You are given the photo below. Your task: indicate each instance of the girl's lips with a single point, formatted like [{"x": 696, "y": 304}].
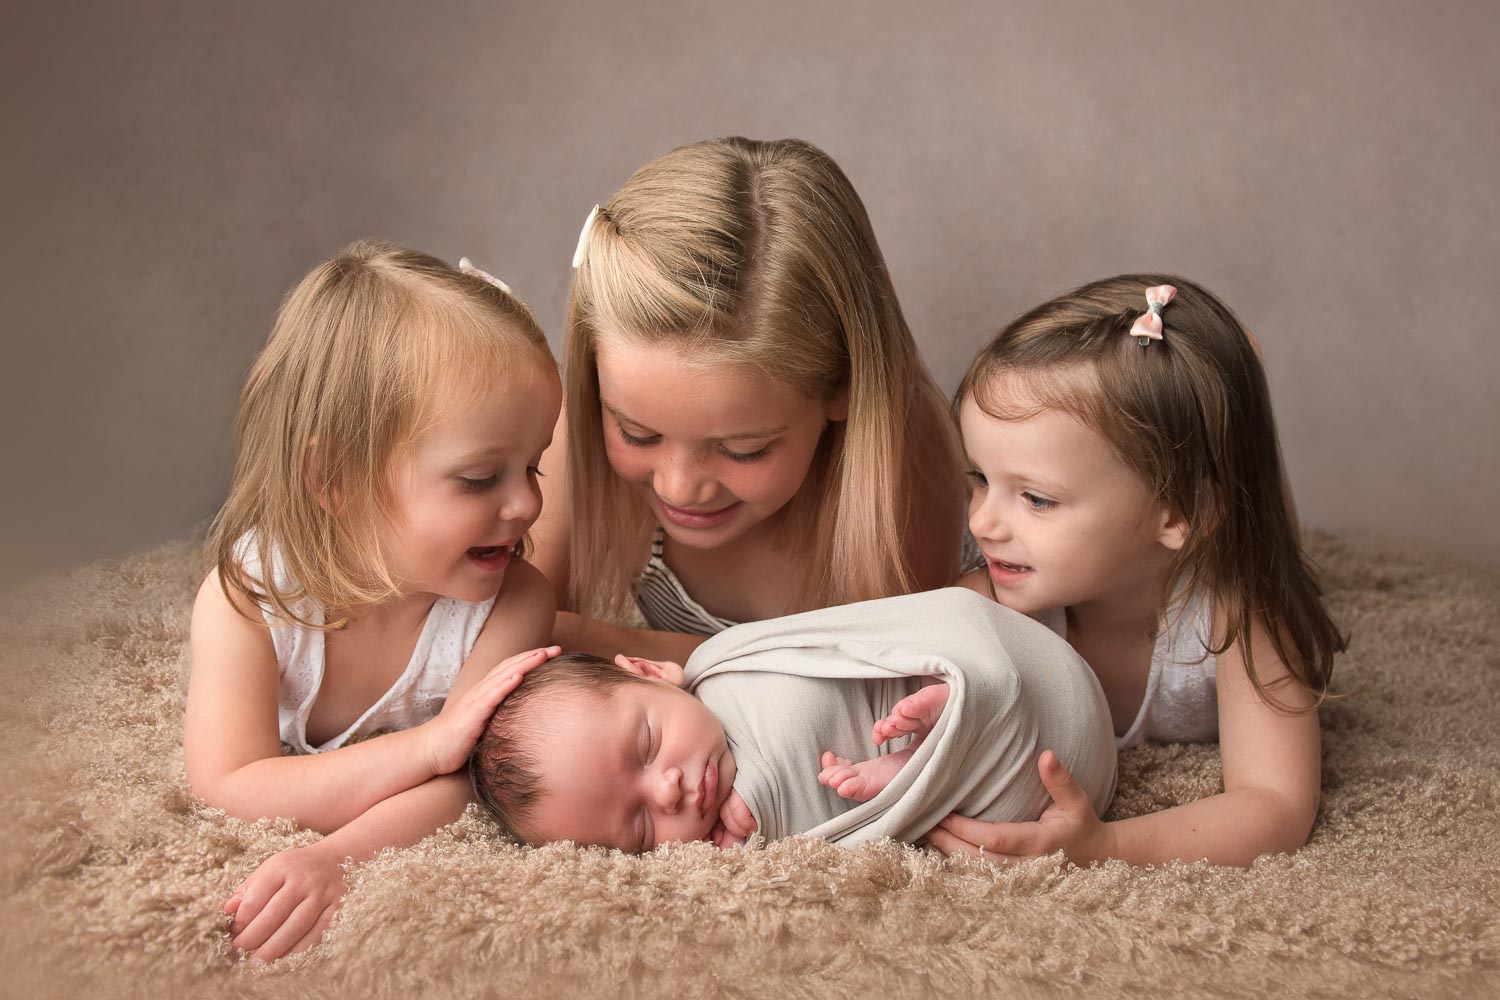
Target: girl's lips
[
  {"x": 493, "y": 558},
  {"x": 1005, "y": 573},
  {"x": 697, "y": 518}
]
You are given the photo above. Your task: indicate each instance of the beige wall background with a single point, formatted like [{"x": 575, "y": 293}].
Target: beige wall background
[{"x": 170, "y": 169}]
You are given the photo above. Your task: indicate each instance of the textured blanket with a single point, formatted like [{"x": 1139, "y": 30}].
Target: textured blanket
[
  {"x": 789, "y": 688},
  {"x": 112, "y": 875}
]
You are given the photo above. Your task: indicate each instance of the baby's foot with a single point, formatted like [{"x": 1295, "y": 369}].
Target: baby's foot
[
  {"x": 913, "y": 715},
  {"x": 862, "y": 781}
]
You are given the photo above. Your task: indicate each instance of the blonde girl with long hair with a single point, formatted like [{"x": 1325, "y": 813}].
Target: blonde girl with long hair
[
  {"x": 1128, "y": 485},
  {"x": 366, "y": 570},
  {"x": 750, "y": 430}
]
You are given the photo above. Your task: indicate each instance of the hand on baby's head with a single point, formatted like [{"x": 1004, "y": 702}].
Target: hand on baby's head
[{"x": 615, "y": 756}]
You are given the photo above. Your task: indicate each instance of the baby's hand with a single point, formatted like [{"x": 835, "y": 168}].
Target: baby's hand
[
  {"x": 452, "y": 733},
  {"x": 914, "y": 714},
  {"x": 735, "y": 824},
  {"x": 286, "y": 903}
]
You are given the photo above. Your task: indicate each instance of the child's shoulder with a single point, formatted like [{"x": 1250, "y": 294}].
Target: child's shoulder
[{"x": 526, "y": 595}]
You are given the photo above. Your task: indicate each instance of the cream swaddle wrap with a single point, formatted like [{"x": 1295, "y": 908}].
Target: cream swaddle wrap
[{"x": 788, "y": 688}]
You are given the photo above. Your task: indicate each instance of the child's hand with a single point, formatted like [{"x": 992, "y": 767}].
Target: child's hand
[
  {"x": 735, "y": 824},
  {"x": 286, "y": 903},
  {"x": 662, "y": 670},
  {"x": 914, "y": 714},
  {"x": 452, "y": 733},
  {"x": 1069, "y": 825}
]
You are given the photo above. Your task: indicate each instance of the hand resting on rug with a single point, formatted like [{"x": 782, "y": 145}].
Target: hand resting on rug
[{"x": 954, "y": 691}]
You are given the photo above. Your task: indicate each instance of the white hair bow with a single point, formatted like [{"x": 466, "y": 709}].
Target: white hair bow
[{"x": 467, "y": 267}]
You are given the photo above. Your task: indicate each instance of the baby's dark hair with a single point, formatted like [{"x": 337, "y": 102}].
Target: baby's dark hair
[{"x": 503, "y": 766}]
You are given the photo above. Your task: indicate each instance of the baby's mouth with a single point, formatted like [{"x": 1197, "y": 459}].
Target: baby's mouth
[
  {"x": 485, "y": 552},
  {"x": 1010, "y": 567}
]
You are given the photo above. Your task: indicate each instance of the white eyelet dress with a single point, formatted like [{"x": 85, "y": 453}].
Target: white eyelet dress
[{"x": 448, "y": 634}]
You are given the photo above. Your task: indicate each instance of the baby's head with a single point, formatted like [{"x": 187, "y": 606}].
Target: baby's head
[{"x": 588, "y": 752}]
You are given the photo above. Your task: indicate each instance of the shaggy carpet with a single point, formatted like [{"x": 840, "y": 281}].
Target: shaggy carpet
[{"x": 112, "y": 874}]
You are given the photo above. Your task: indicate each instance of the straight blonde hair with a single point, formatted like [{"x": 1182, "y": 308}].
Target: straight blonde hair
[
  {"x": 1191, "y": 416},
  {"x": 365, "y": 353},
  {"x": 759, "y": 256}
]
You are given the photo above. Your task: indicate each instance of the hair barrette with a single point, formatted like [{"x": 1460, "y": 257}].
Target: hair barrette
[
  {"x": 467, "y": 267},
  {"x": 583, "y": 237},
  {"x": 1147, "y": 326}
]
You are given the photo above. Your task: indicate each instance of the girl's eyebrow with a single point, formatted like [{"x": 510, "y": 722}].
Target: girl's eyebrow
[{"x": 760, "y": 432}]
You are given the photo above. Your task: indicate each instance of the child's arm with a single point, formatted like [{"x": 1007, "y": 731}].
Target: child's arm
[
  {"x": 287, "y": 902},
  {"x": 589, "y": 635},
  {"x": 1272, "y": 774},
  {"x": 231, "y": 737}
]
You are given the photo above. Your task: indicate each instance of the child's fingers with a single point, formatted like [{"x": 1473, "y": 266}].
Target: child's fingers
[
  {"x": 254, "y": 893},
  {"x": 265, "y": 923},
  {"x": 232, "y": 904},
  {"x": 291, "y": 930},
  {"x": 315, "y": 935},
  {"x": 1058, "y": 781}
]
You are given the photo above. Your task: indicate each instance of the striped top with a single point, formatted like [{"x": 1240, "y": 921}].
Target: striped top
[{"x": 664, "y": 601}]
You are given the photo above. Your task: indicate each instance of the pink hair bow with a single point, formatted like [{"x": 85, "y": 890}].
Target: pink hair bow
[{"x": 1147, "y": 326}]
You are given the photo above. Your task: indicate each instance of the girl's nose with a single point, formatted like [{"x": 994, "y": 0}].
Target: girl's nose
[
  {"x": 523, "y": 503},
  {"x": 985, "y": 521},
  {"x": 682, "y": 482}
]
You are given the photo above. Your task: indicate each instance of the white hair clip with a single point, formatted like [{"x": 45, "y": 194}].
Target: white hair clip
[
  {"x": 583, "y": 237},
  {"x": 467, "y": 267}
]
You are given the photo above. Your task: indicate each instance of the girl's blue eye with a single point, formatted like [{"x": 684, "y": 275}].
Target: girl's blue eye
[
  {"x": 978, "y": 478},
  {"x": 639, "y": 442},
  {"x": 478, "y": 485},
  {"x": 1037, "y": 502}
]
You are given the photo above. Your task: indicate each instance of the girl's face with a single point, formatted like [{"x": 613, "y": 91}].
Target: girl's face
[
  {"x": 714, "y": 452},
  {"x": 1061, "y": 520},
  {"x": 465, "y": 491}
]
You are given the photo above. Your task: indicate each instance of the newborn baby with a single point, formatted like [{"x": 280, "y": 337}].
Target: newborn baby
[{"x": 955, "y": 694}]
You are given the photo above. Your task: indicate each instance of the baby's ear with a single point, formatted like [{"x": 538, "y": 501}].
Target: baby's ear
[{"x": 661, "y": 670}]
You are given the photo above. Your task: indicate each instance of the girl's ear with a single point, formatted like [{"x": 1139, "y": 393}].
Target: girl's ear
[
  {"x": 838, "y": 406},
  {"x": 1172, "y": 531}
]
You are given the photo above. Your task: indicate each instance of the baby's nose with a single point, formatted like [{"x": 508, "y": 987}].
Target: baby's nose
[{"x": 669, "y": 792}]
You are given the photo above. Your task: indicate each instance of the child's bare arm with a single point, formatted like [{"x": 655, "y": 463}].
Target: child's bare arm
[
  {"x": 589, "y": 635},
  {"x": 287, "y": 902},
  {"x": 1270, "y": 798},
  {"x": 231, "y": 736}
]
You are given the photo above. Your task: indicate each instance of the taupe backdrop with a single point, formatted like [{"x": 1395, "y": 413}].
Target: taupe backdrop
[{"x": 172, "y": 168}]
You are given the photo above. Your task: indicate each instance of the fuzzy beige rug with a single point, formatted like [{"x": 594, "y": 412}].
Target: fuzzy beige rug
[{"x": 112, "y": 875}]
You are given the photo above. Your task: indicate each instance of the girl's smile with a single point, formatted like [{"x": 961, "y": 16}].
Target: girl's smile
[{"x": 716, "y": 452}]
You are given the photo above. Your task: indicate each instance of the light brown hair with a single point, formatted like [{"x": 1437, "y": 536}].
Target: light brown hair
[
  {"x": 760, "y": 256},
  {"x": 1191, "y": 415},
  {"x": 365, "y": 352},
  {"x": 505, "y": 773}
]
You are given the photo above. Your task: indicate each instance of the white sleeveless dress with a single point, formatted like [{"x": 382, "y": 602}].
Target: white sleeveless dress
[{"x": 447, "y": 636}]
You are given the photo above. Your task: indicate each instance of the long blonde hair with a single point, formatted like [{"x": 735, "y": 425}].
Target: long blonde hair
[
  {"x": 352, "y": 373},
  {"x": 759, "y": 256},
  {"x": 1191, "y": 416}
]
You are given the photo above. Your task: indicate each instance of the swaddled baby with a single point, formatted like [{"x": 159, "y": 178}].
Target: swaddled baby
[{"x": 955, "y": 695}]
